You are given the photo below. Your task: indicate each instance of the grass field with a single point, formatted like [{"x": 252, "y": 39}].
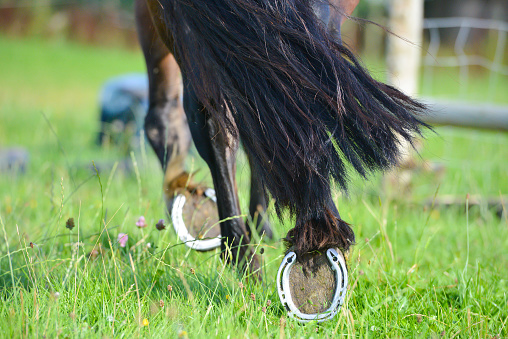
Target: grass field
[{"x": 416, "y": 271}]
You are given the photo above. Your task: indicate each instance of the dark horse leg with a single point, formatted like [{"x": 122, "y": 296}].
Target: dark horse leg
[
  {"x": 219, "y": 151},
  {"x": 324, "y": 228},
  {"x": 168, "y": 132},
  {"x": 165, "y": 123},
  {"x": 258, "y": 203}
]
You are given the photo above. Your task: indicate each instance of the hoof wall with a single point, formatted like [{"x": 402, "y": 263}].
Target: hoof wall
[
  {"x": 196, "y": 221},
  {"x": 314, "y": 287}
]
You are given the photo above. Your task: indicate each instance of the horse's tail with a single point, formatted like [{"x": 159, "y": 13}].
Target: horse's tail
[{"x": 301, "y": 103}]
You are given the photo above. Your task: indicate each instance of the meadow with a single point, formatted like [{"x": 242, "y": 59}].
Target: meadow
[{"x": 417, "y": 270}]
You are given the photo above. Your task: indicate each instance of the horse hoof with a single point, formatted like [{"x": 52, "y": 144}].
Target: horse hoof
[
  {"x": 196, "y": 221},
  {"x": 314, "y": 287}
]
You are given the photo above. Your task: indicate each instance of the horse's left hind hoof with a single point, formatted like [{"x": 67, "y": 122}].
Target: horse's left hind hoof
[
  {"x": 195, "y": 219},
  {"x": 313, "y": 287}
]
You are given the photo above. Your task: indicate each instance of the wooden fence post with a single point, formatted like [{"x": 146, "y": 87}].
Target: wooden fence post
[
  {"x": 403, "y": 62},
  {"x": 403, "y": 57}
]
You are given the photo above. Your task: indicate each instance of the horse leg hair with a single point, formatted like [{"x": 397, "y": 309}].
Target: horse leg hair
[{"x": 320, "y": 230}]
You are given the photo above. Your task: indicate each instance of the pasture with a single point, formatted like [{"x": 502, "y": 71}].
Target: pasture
[{"x": 417, "y": 270}]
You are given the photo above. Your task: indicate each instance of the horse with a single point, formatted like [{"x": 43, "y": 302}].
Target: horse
[{"x": 274, "y": 76}]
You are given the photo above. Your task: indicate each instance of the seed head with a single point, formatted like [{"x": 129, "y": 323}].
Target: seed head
[
  {"x": 240, "y": 285},
  {"x": 268, "y": 302},
  {"x": 253, "y": 296},
  {"x": 193, "y": 271},
  {"x": 263, "y": 309},
  {"x": 170, "y": 288},
  {"x": 160, "y": 225},
  {"x": 70, "y": 224},
  {"x": 161, "y": 303}
]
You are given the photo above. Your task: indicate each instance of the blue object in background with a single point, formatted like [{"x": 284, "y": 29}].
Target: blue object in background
[
  {"x": 14, "y": 159},
  {"x": 123, "y": 106}
]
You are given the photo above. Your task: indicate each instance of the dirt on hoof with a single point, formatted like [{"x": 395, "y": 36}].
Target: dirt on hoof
[
  {"x": 200, "y": 215},
  {"x": 312, "y": 283}
]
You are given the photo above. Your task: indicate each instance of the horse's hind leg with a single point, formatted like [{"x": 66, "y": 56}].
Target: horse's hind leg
[
  {"x": 258, "y": 204},
  {"x": 219, "y": 152},
  {"x": 312, "y": 279},
  {"x": 325, "y": 228},
  {"x": 165, "y": 123},
  {"x": 169, "y": 135}
]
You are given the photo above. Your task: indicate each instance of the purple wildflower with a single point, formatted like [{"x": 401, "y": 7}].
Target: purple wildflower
[
  {"x": 141, "y": 223},
  {"x": 122, "y": 239}
]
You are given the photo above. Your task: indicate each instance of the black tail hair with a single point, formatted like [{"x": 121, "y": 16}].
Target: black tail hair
[{"x": 301, "y": 102}]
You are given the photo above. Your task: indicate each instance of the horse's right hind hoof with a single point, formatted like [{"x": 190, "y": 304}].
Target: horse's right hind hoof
[
  {"x": 196, "y": 220},
  {"x": 314, "y": 287}
]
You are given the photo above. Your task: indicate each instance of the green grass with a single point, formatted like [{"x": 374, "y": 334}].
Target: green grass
[{"x": 416, "y": 271}]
